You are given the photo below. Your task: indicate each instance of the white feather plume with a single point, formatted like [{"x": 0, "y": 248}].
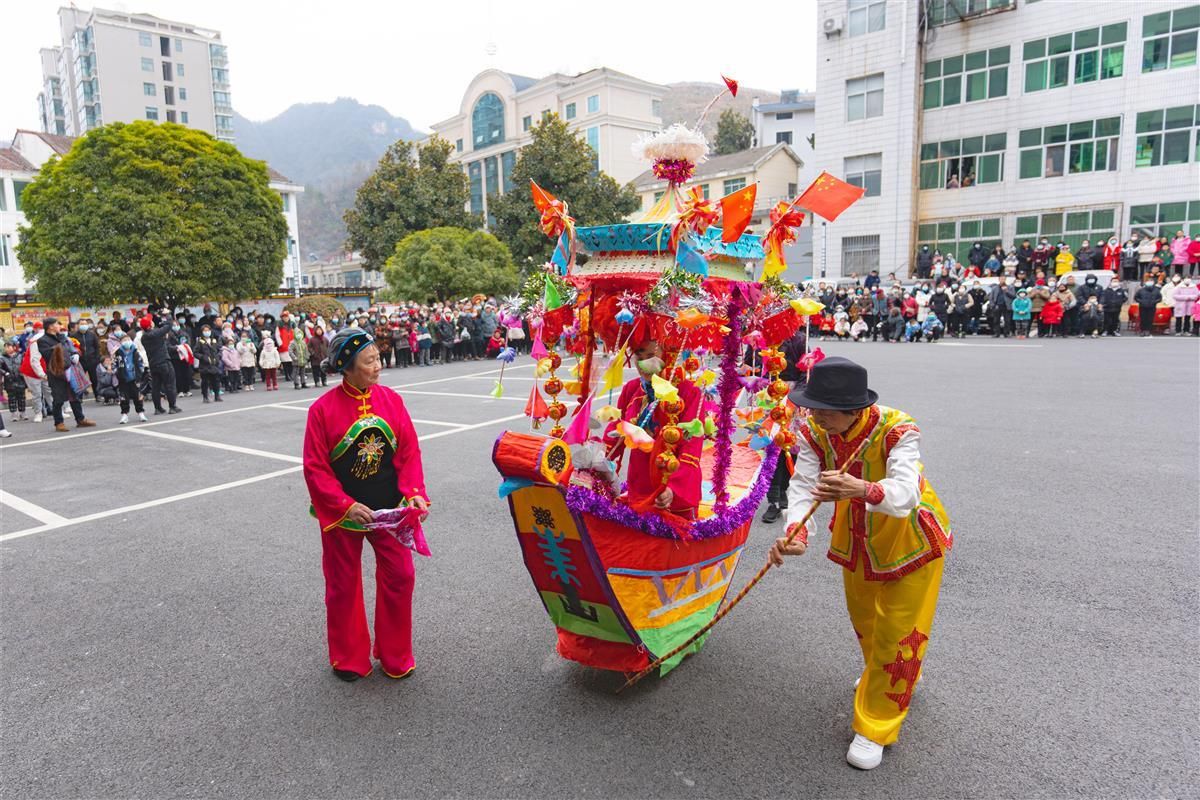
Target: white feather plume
[{"x": 678, "y": 142}]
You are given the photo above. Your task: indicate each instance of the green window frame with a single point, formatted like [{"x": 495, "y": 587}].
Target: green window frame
[
  {"x": 1057, "y": 150},
  {"x": 1169, "y": 39},
  {"x": 1163, "y": 219},
  {"x": 1167, "y": 136},
  {"x": 969, "y": 78},
  {"x": 972, "y": 161},
  {"x": 947, "y": 12},
  {"x": 1083, "y": 56},
  {"x": 733, "y": 185}
]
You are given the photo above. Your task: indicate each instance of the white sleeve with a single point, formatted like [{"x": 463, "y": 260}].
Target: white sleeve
[
  {"x": 901, "y": 487},
  {"x": 804, "y": 479}
]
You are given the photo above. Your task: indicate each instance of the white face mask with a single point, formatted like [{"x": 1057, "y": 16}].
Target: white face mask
[
  {"x": 1149, "y": 283},
  {"x": 650, "y": 366}
]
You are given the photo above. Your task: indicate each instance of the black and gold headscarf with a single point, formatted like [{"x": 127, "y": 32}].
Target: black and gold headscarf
[{"x": 345, "y": 345}]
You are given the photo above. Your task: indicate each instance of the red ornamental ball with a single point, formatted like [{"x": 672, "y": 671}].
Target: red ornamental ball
[
  {"x": 778, "y": 390},
  {"x": 666, "y": 462},
  {"x": 779, "y": 413},
  {"x": 557, "y": 431},
  {"x": 556, "y": 411},
  {"x": 553, "y": 386},
  {"x": 672, "y": 408},
  {"x": 785, "y": 438},
  {"x": 555, "y": 360},
  {"x": 691, "y": 364}
]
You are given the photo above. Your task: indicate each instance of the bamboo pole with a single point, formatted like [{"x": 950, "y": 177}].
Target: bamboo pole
[{"x": 746, "y": 589}]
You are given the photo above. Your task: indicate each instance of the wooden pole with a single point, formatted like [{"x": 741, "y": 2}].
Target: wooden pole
[{"x": 746, "y": 589}]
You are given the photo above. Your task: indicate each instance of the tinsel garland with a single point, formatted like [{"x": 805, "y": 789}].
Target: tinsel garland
[
  {"x": 728, "y": 390},
  {"x": 587, "y": 501},
  {"x": 677, "y": 171}
]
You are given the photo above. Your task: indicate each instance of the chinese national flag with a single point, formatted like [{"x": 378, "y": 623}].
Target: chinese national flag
[
  {"x": 736, "y": 210},
  {"x": 829, "y": 196}
]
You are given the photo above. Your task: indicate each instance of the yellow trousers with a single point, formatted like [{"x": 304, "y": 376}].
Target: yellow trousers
[{"x": 893, "y": 621}]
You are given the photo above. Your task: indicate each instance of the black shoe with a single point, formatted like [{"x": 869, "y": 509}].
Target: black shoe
[
  {"x": 217, "y": 399},
  {"x": 206, "y": 400},
  {"x": 349, "y": 676},
  {"x": 175, "y": 410},
  {"x": 771, "y": 514},
  {"x": 158, "y": 411}
]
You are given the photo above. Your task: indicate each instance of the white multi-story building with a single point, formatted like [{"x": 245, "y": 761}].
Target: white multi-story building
[
  {"x": 30, "y": 149},
  {"x": 607, "y": 108},
  {"x": 1003, "y": 120},
  {"x": 113, "y": 66},
  {"x": 792, "y": 121}
]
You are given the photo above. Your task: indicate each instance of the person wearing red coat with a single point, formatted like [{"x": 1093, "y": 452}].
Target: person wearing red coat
[
  {"x": 1112, "y": 255},
  {"x": 360, "y": 456},
  {"x": 1052, "y": 315}
]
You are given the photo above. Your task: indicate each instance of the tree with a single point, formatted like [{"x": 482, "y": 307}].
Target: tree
[
  {"x": 443, "y": 263},
  {"x": 564, "y": 165},
  {"x": 320, "y": 304},
  {"x": 734, "y": 132},
  {"x": 412, "y": 189},
  {"x": 143, "y": 212}
]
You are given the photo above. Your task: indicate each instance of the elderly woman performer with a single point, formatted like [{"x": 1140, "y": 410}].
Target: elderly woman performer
[{"x": 361, "y": 455}]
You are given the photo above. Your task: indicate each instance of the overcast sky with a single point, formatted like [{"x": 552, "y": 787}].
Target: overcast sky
[{"x": 415, "y": 58}]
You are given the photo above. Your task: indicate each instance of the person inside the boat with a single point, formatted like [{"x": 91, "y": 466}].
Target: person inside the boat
[
  {"x": 889, "y": 533},
  {"x": 677, "y": 492}
]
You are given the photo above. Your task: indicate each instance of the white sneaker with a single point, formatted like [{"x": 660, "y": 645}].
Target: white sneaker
[
  {"x": 4, "y": 434},
  {"x": 124, "y": 419},
  {"x": 864, "y": 753},
  {"x": 142, "y": 416},
  {"x": 37, "y": 417}
]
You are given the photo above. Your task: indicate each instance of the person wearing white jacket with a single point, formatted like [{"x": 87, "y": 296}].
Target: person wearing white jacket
[
  {"x": 248, "y": 359},
  {"x": 268, "y": 359}
]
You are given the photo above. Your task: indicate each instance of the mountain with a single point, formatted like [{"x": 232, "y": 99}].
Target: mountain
[
  {"x": 330, "y": 148},
  {"x": 684, "y": 102}
]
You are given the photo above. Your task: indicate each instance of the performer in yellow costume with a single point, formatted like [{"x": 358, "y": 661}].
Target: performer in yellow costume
[{"x": 889, "y": 532}]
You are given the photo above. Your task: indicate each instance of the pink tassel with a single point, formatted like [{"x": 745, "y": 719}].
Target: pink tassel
[
  {"x": 578, "y": 432},
  {"x": 538, "y": 351}
]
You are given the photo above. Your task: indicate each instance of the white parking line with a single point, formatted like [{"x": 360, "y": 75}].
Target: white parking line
[
  {"x": 476, "y": 396},
  {"x": 43, "y": 515},
  {"x": 63, "y": 522},
  {"x": 233, "y": 448}
]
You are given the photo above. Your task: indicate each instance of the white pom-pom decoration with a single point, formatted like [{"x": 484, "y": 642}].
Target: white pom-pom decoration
[{"x": 678, "y": 142}]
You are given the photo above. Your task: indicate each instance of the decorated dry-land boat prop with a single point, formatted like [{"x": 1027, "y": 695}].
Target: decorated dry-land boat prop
[{"x": 626, "y": 582}]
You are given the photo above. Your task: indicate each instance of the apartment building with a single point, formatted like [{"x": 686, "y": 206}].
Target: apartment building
[
  {"x": 112, "y": 66},
  {"x": 792, "y": 121},
  {"x": 609, "y": 109},
  {"x": 1001, "y": 120}
]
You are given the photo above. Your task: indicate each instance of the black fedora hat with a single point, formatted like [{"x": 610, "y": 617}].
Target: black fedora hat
[{"x": 835, "y": 383}]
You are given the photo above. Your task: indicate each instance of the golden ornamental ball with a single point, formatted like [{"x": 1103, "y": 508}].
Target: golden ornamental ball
[
  {"x": 785, "y": 439},
  {"x": 779, "y": 413},
  {"x": 778, "y": 390},
  {"x": 671, "y": 434},
  {"x": 556, "y": 411},
  {"x": 557, "y": 431},
  {"x": 555, "y": 360},
  {"x": 672, "y": 408},
  {"x": 666, "y": 462},
  {"x": 553, "y": 386}
]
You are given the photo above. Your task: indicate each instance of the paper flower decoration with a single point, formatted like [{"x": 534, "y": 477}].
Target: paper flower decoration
[
  {"x": 507, "y": 355},
  {"x": 807, "y": 307},
  {"x": 635, "y": 438},
  {"x": 664, "y": 390},
  {"x": 691, "y": 318},
  {"x": 607, "y": 413},
  {"x": 811, "y": 359}
]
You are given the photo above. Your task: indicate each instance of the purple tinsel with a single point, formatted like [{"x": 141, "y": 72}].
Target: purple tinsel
[
  {"x": 728, "y": 387},
  {"x": 674, "y": 170},
  {"x": 586, "y": 501}
]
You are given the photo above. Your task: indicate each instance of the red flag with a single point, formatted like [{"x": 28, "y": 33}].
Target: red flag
[
  {"x": 731, "y": 84},
  {"x": 736, "y": 210},
  {"x": 541, "y": 198},
  {"x": 829, "y": 196},
  {"x": 536, "y": 408}
]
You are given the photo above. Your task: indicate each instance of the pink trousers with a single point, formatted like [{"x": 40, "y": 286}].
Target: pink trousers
[{"x": 346, "y": 617}]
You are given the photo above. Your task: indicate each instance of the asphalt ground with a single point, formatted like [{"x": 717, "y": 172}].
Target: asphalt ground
[{"x": 162, "y": 623}]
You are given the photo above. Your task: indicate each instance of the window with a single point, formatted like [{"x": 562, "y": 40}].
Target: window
[
  {"x": 144, "y": 39},
  {"x": 526, "y": 123},
  {"x": 182, "y": 94},
  {"x": 704, "y": 190},
  {"x": 147, "y": 65},
  {"x": 593, "y": 103},
  {"x": 1169, "y": 39},
  {"x": 224, "y": 122},
  {"x": 1071, "y": 227},
  {"x": 1088, "y": 146},
  {"x": 864, "y": 97},
  {"x": 183, "y": 117},
  {"x": 867, "y": 16},
  {"x": 491, "y": 173},
  {"x": 5, "y": 260},
  {"x": 179, "y": 70},
  {"x": 475, "y": 178},
  {"x": 658, "y": 196},
  {"x": 149, "y": 90},
  {"x": 962, "y": 163},
  {"x": 1168, "y": 137},
  {"x": 783, "y": 136},
  {"x": 1163, "y": 219},
  {"x": 860, "y": 254},
  {"x": 733, "y": 185},
  {"x": 151, "y": 112},
  {"x": 508, "y": 162},
  {"x": 487, "y": 121},
  {"x": 19, "y": 188},
  {"x": 784, "y": 115},
  {"x": 287, "y": 201},
  {"x": 791, "y": 190},
  {"x": 220, "y": 78},
  {"x": 169, "y": 95},
  {"x": 1089, "y": 55},
  {"x": 179, "y": 45},
  {"x": 865, "y": 171},
  {"x": 956, "y": 237},
  {"x": 164, "y": 46},
  {"x": 593, "y": 140},
  {"x": 656, "y": 108},
  {"x": 3, "y": 199},
  {"x": 166, "y": 66},
  {"x": 570, "y": 111},
  {"x": 171, "y": 115},
  {"x": 458, "y": 147},
  {"x": 944, "y": 12},
  {"x": 221, "y": 99},
  {"x": 975, "y": 76}
]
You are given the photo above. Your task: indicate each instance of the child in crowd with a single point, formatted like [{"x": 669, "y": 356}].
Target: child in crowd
[
  {"x": 232, "y": 363},
  {"x": 859, "y": 330},
  {"x": 932, "y": 327},
  {"x": 402, "y": 341},
  {"x": 841, "y": 323},
  {"x": 129, "y": 366},
  {"x": 14, "y": 381},
  {"x": 247, "y": 360},
  {"x": 1052, "y": 316},
  {"x": 318, "y": 348},
  {"x": 1022, "y": 312},
  {"x": 106, "y": 381},
  {"x": 495, "y": 343},
  {"x": 268, "y": 359},
  {"x": 912, "y": 330},
  {"x": 1091, "y": 318},
  {"x": 424, "y": 343},
  {"x": 298, "y": 350}
]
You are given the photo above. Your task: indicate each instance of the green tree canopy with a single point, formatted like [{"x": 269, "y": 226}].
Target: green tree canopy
[
  {"x": 564, "y": 165},
  {"x": 734, "y": 132},
  {"x": 413, "y": 188},
  {"x": 443, "y": 263},
  {"x": 320, "y": 304},
  {"x": 157, "y": 213}
]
